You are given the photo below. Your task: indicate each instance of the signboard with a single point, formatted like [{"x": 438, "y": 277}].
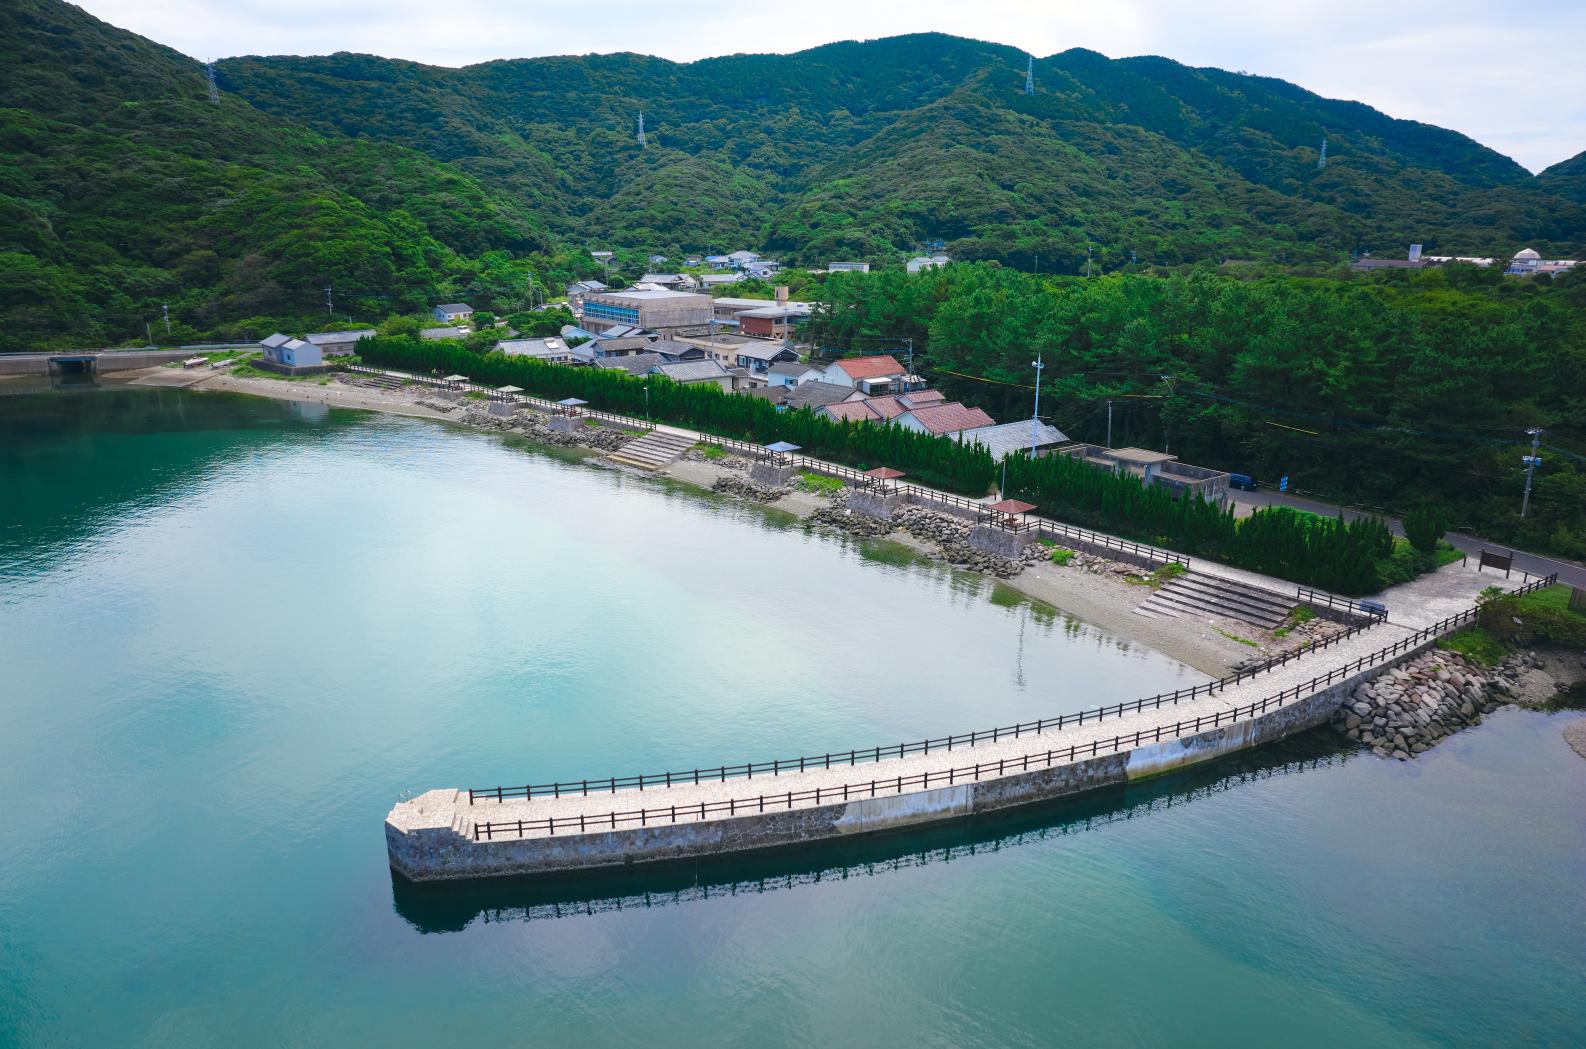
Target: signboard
[
  {"x": 1283, "y": 483},
  {"x": 1490, "y": 559}
]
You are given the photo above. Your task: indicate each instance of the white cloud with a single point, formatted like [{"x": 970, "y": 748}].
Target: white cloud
[{"x": 1510, "y": 77}]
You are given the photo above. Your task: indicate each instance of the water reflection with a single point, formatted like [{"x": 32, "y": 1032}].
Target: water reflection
[{"x": 453, "y": 906}]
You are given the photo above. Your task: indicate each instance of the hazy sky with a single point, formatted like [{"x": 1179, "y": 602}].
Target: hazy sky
[{"x": 1512, "y": 76}]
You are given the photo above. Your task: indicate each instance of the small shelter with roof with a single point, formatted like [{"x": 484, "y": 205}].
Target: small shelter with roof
[
  {"x": 1002, "y": 529},
  {"x": 880, "y": 496},
  {"x": 569, "y": 411},
  {"x": 504, "y": 400},
  {"x": 778, "y": 468}
]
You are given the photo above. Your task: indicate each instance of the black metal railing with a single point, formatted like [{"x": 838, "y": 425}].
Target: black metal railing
[
  {"x": 876, "y": 753},
  {"x": 787, "y": 800}
]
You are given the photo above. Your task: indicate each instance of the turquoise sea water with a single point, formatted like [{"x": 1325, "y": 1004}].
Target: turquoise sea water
[{"x": 233, "y": 631}]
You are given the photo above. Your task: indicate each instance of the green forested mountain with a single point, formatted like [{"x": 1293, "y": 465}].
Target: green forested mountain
[
  {"x": 124, "y": 188},
  {"x": 867, "y": 149}
]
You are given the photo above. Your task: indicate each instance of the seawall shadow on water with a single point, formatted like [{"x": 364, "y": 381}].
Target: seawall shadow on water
[{"x": 439, "y": 907}]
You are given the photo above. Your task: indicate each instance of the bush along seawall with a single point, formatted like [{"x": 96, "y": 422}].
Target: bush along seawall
[{"x": 1347, "y": 557}]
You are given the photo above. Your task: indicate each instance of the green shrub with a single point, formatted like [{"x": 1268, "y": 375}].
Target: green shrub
[
  {"x": 1475, "y": 644},
  {"x": 1423, "y": 527},
  {"x": 1061, "y": 556},
  {"x": 820, "y": 484}
]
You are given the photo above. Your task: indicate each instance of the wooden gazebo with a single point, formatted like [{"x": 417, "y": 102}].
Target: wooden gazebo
[
  {"x": 508, "y": 393},
  {"x": 1005, "y": 513},
  {"x": 570, "y": 406},
  {"x": 883, "y": 479}
]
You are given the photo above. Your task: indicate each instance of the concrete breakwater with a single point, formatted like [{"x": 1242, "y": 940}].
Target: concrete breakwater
[{"x": 448, "y": 834}]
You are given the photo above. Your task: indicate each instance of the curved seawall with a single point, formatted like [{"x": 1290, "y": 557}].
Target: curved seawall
[{"x": 447, "y": 834}]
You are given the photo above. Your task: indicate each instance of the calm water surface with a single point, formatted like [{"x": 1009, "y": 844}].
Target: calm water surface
[{"x": 233, "y": 631}]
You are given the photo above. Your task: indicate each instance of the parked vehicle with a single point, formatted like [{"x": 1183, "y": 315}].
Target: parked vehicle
[{"x": 1242, "y": 481}]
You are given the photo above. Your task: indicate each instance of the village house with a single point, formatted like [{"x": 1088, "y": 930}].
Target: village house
[
  {"x": 670, "y": 281},
  {"x": 848, "y": 267},
  {"x": 635, "y": 364},
  {"x": 690, "y": 373},
  {"x": 290, "y": 356},
  {"x": 339, "y": 343},
  {"x": 449, "y": 332},
  {"x": 792, "y": 373},
  {"x": 925, "y": 262},
  {"x": 943, "y": 418},
  {"x": 871, "y": 375},
  {"x": 758, "y": 355},
  {"x": 453, "y": 313},
  {"x": 550, "y": 350},
  {"x": 1009, "y": 438}
]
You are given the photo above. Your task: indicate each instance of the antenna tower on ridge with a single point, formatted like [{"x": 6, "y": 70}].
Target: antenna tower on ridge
[
  {"x": 642, "y": 143},
  {"x": 214, "y": 89},
  {"x": 1029, "y": 76},
  {"x": 1321, "y": 158}
]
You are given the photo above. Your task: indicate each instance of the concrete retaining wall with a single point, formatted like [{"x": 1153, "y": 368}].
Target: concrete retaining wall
[
  {"x": 105, "y": 361},
  {"x": 440, "y": 853}
]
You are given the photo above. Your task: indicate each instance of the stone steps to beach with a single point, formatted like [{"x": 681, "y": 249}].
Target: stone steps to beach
[
  {"x": 376, "y": 382},
  {"x": 654, "y": 451},
  {"x": 1195, "y": 593}
]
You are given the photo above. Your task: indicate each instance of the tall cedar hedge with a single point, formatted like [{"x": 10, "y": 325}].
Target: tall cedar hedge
[{"x": 1316, "y": 551}]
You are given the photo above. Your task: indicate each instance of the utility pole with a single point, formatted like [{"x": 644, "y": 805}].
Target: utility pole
[
  {"x": 1531, "y": 463},
  {"x": 1109, "y": 423},
  {"x": 1168, "y": 379},
  {"x": 909, "y": 342},
  {"x": 166, "y": 310},
  {"x": 1087, "y": 260},
  {"x": 329, "y": 307},
  {"x": 1035, "y": 416}
]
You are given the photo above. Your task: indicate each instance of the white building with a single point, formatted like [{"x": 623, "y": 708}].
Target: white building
[
  {"x": 926, "y": 262},
  {"x": 848, "y": 267},
  {"x": 1529, "y": 263},
  {"x": 453, "y": 313}
]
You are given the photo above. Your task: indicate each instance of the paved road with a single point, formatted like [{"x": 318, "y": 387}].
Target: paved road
[{"x": 1568, "y": 571}]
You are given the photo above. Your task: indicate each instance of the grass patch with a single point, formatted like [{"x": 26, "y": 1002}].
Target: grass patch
[
  {"x": 1297, "y": 615},
  {"x": 476, "y": 395},
  {"x": 591, "y": 422},
  {"x": 1241, "y": 640},
  {"x": 711, "y": 451},
  {"x": 1061, "y": 555},
  {"x": 1475, "y": 644},
  {"x": 820, "y": 484}
]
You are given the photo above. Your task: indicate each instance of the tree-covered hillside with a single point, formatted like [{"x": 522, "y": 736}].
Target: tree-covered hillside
[
  {"x": 870, "y": 148},
  {"x": 124, "y": 188},
  {"x": 1390, "y": 390}
]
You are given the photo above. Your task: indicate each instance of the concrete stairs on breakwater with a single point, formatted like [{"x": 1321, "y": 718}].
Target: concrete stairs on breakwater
[
  {"x": 654, "y": 451},
  {"x": 1195, "y": 593}
]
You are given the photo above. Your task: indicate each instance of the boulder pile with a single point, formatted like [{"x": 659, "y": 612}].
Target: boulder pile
[
  {"x": 742, "y": 486},
  {"x": 1405, "y": 711},
  {"x": 725, "y": 462},
  {"x": 844, "y": 520},
  {"x": 535, "y": 426}
]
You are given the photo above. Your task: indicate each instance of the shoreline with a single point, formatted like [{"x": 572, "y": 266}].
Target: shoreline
[{"x": 1103, "y": 602}]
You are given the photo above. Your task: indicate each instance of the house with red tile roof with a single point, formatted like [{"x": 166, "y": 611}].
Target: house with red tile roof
[
  {"x": 881, "y": 374},
  {"x": 946, "y": 417}
]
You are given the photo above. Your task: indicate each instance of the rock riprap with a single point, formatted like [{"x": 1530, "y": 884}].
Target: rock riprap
[
  {"x": 1405, "y": 711},
  {"x": 747, "y": 489}
]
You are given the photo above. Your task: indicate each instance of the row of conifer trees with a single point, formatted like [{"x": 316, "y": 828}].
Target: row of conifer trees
[{"x": 1324, "y": 552}]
